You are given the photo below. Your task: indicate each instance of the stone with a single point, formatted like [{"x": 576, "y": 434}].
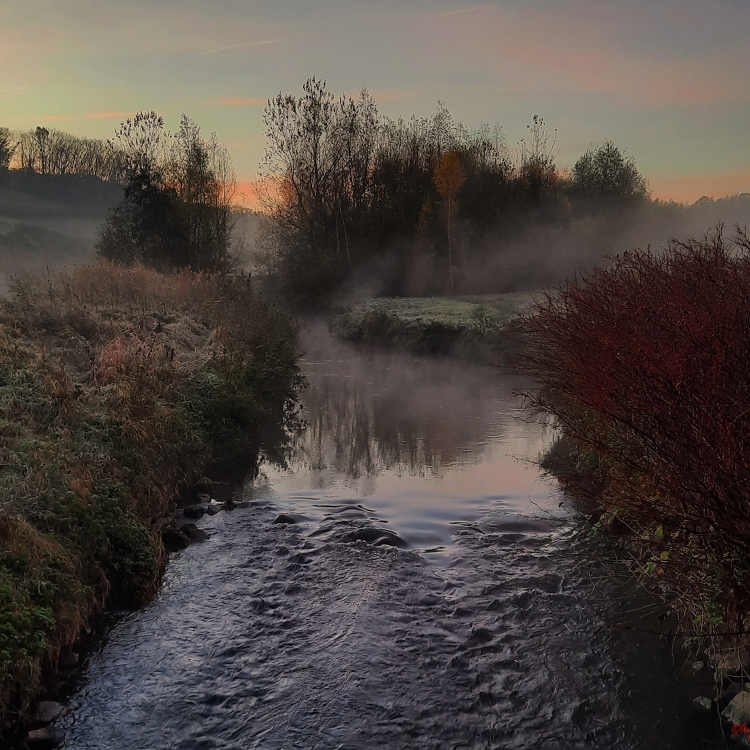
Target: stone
[
  {"x": 212, "y": 509},
  {"x": 738, "y": 710},
  {"x": 174, "y": 540},
  {"x": 193, "y": 533},
  {"x": 703, "y": 704},
  {"x": 46, "y": 712},
  {"x": 193, "y": 511},
  {"x": 285, "y": 518},
  {"x": 47, "y": 737}
]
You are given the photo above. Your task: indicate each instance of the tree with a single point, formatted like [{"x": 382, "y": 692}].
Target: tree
[
  {"x": 317, "y": 172},
  {"x": 536, "y": 160},
  {"x": 7, "y": 147},
  {"x": 605, "y": 172},
  {"x": 177, "y": 208},
  {"x": 449, "y": 177}
]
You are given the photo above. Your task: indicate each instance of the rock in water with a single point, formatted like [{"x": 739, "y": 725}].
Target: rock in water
[
  {"x": 174, "y": 540},
  {"x": 192, "y": 532},
  {"x": 47, "y": 737},
  {"x": 46, "y": 712}
]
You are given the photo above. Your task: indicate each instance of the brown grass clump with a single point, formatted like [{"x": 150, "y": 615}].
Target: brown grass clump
[
  {"x": 646, "y": 367},
  {"x": 117, "y": 386}
]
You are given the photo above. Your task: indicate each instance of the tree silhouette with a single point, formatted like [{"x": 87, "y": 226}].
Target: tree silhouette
[{"x": 605, "y": 172}]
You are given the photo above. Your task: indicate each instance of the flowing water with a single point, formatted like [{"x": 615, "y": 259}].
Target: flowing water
[{"x": 425, "y": 590}]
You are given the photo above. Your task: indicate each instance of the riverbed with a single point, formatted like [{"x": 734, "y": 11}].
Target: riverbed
[{"x": 408, "y": 579}]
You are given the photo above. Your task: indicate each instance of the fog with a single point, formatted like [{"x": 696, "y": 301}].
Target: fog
[
  {"x": 46, "y": 225},
  {"x": 543, "y": 254}
]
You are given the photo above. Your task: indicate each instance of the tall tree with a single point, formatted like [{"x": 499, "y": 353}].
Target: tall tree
[
  {"x": 449, "y": 177},
  {"x": 7, "y": 147}
]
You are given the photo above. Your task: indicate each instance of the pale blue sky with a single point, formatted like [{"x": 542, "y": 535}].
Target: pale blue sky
[{"x": 667, "y": 81}]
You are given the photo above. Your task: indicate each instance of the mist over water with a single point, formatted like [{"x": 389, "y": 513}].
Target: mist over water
[{"x": 424, "y": 590}]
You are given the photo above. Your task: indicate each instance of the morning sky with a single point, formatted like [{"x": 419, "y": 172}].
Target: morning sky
[{"x": 666, "y": 81}]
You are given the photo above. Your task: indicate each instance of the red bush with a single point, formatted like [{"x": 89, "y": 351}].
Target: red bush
[{"x": 647, "y": 365}]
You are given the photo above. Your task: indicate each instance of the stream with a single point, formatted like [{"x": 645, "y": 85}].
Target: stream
[{"x": 407, "y": 580}]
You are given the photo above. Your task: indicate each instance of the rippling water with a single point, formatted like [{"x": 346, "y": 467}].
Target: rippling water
[{"x": 426, "y": 592}]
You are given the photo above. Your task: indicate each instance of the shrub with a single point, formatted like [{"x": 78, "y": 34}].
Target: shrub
[{"x": 645, "y": 365}]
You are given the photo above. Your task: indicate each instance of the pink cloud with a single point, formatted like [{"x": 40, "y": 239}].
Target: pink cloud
[{"x": 562, "y": 50}]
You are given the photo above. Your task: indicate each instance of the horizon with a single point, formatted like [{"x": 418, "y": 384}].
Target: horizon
[{"x": 665, "y": 84}]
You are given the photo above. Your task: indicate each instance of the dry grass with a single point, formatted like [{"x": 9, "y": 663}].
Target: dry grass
[{"x": 117, "y": 386}]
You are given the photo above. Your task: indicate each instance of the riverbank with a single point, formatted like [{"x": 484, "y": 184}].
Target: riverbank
[
  {"x": 644, "y": 366},
  {"x": 117, "y": 388},
  {"x": 479, "y": 327}
]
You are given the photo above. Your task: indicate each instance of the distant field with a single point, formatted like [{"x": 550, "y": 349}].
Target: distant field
[{"x": 477, "y": 326}]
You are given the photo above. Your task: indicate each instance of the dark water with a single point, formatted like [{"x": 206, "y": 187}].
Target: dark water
[{"x": 433, "y": 593}]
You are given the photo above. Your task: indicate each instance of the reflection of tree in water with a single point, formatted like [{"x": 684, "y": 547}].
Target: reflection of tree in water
[{"x": 416, "y": 423}]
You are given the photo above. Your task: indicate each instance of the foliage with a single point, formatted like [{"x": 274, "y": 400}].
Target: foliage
[
  {"x": 177, "y": 209},
  {"x": 605, "y": 172},
  {"x": 117, "y": 387},
  {"x": 54, "y": 152},
  {"x": 645, "y": 367},
  {"x": 346, "y": 191}
]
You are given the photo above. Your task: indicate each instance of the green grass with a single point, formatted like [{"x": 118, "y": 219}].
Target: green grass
[{"x": 479, "y": 327}]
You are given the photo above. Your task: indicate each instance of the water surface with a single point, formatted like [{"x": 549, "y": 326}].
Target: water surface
[{"x": 430, "y": 590}]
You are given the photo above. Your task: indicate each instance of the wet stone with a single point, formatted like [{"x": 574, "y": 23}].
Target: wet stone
[
  {"x": 174, "y": 540},
  {"x": 738, "y": 710},
  {"x": 703, "y": 704},
  {"x": 193, "y": 533},
  {"x": 193, "y": 511},
  {"x": 285, "y": 518},
  {"x": 46, "y": 712},
  {"x": 42, "y": 739}
]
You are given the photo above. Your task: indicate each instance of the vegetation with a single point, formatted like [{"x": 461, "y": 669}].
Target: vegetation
[
  {"x": 479, "y": 327},
  {"x": 349, "y": 193},
  {"x": 645, "y": 367},
  {"x": 177, "y": 209},
  {"x": 54, "y": 152},
  {"x": 117, "y": 386}
]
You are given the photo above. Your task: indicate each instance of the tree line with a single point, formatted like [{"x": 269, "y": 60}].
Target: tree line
[
  {"x": 344, "y": 191},
  {"x": 345, "y": 188},
  {"x": 54, "y": 152}
]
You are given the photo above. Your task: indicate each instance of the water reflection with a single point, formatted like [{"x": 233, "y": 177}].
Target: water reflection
[
  {"x": 322, "y": 630},
  {"x": 427, "y": 443}
]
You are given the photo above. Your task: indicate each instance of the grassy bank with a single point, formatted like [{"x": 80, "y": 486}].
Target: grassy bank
[
  {"x": 117, "y": 387},
  {"x": 479, "y": 326},
  {"x": 645, "y": 366}
]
